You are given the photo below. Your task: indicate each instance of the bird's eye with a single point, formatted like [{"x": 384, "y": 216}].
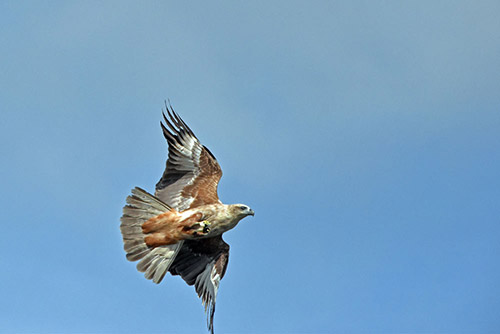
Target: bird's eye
[{"x": 243, "y": 208}]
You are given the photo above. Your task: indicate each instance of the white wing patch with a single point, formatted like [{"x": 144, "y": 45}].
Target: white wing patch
[{"x": 215, "y": 279}]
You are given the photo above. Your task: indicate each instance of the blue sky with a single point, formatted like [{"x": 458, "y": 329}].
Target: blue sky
[{"x": 365, "y": 135}]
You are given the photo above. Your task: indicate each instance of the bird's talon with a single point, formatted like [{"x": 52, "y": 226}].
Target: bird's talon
[{"x": 206, "y": 226}]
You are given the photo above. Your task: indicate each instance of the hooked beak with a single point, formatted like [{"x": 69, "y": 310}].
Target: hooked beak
[{"x": 252, "y": 213}]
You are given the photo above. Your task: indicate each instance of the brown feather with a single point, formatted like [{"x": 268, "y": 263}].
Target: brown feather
[
  {"x": 169, "y": 228},
  {"x": 204, "y": 187}
]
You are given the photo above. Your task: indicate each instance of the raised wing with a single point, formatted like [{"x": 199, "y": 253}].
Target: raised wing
[
  {"x": 203, "y": 263},
  {"x": 192, "y": 172}
]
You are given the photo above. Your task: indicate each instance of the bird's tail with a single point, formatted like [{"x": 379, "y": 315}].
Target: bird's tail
[{"x": 154, "y": 261}]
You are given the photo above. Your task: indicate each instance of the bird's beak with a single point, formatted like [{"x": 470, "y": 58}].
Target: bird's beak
[{"x": 252, "y": 213}]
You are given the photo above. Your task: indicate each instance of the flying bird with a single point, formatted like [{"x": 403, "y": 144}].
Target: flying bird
[{"x": 179, "y": 229}]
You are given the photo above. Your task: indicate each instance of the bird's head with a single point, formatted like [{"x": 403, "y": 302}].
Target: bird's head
[{"x": 241, "y": 210}]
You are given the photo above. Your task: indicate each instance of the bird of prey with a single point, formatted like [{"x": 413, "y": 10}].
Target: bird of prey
[{"x": 180, "y": 228}]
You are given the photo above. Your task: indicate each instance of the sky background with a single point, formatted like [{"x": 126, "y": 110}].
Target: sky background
[{"x": 364, "y": 134}]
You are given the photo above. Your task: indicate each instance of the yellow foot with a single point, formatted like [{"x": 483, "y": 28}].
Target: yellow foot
[
  {"x": 206, "y": 226},
  {"x": 198, "y": 229}
]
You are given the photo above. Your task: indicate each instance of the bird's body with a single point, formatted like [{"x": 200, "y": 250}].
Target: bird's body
[
  {"x": 205, "y": 221},
  {"x": 179, "y": 230}
]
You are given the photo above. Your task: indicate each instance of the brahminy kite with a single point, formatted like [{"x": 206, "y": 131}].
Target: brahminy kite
[{"x": 180, "y": 228}]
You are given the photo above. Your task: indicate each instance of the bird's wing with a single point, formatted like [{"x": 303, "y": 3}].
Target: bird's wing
[
  {"x": 203, "y": 263},
  {"x": 192, "y": 173}
]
